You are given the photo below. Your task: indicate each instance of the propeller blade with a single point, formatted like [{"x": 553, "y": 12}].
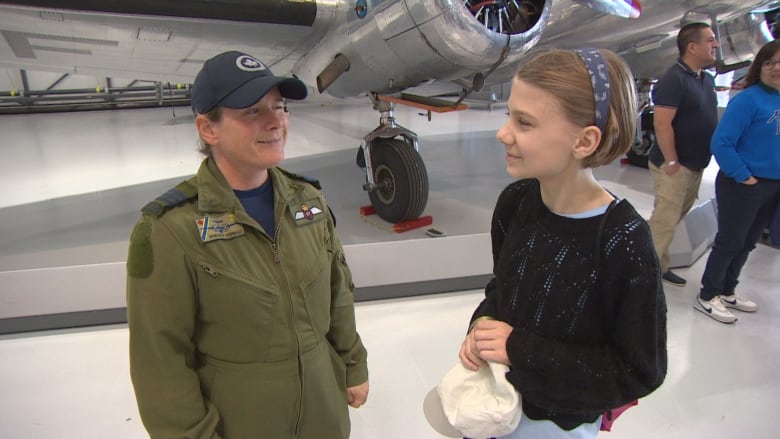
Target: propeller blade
[{"x": 621, "y": 8}]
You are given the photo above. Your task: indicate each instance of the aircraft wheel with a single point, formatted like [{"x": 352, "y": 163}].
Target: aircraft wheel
[
  {"x": 637, "y": 155},
  {"x": 401, "y": 180}
]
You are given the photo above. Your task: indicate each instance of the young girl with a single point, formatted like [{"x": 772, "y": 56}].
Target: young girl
[{"x": 575, "y": 308}]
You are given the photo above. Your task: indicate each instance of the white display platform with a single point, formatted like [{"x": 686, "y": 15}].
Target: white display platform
[
  {"x": 694, "y": 235},
  {"x": 64, "y": 265},
  {"x": 76, "y": 194}
]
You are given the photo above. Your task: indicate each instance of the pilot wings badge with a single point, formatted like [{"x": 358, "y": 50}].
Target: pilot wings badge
[{"x": 307, "y": 212}]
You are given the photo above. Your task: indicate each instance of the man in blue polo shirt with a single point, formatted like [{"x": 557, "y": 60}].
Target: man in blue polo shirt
[{"x": 686, "y": 114}]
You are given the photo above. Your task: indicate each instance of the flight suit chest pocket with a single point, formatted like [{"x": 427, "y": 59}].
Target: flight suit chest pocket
[
  {"x": 231, "y": 301},
  {"x": 316, "y": 291}
]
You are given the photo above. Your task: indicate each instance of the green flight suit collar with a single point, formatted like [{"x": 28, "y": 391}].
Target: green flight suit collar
[
  {"x": 216, "y": 195},
  {"x": 214, "y": 192}
]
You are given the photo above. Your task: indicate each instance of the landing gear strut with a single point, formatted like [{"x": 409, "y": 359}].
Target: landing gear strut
[
  {"x": 645, "y": 139},
  {"x": 396, "y": 179}
]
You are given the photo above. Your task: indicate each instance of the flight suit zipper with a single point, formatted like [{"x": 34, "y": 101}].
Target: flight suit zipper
[{"x": 291, "y": 311}]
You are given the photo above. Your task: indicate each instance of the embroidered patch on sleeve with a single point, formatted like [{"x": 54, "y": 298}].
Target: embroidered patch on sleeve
[
  {"x": 306, "y": 212},
  {"x": 211, "y": 227},
  {"x": 140, "y": 257}
]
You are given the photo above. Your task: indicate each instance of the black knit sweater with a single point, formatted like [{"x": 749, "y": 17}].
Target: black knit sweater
[{"x": 585, "y": 338}]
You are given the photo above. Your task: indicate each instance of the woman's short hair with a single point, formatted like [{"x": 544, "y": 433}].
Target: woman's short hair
[
  {"x": 564, "y": 74},
  {"x": 215, "y": 115}
]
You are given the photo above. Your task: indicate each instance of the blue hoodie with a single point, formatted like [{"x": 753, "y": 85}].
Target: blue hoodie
[{"x": 747, "y": 140}]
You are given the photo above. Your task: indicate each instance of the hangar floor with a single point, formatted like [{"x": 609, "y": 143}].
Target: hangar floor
[{"x": 73, "y": 383}]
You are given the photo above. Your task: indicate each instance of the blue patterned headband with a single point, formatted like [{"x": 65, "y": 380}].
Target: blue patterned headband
[{"x": 599, "y": 79}]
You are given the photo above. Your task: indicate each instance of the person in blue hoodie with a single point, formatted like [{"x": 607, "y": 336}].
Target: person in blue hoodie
[{"x": 746, "y": 145}]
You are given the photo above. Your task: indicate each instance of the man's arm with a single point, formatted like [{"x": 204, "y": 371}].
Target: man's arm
[{"x": 664, "y": 133}]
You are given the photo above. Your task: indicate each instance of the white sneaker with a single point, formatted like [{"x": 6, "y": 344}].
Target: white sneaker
[
  {"x": 715, "y": 308},
  {"x": 739, "y": 303}
]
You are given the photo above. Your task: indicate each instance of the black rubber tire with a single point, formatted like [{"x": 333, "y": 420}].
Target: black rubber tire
[
  {"x": 401, "y": 180},
  {"x": 637, "y": 155},
  {"x": 636, "y": 159}
]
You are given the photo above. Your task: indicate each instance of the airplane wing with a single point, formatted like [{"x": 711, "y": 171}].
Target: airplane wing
[
  {"x": 349, "y": 48},
  {"x": 343, "y": 47},
  {"x": 160, "y": 41},
  {"x": 386, "y": 45}
]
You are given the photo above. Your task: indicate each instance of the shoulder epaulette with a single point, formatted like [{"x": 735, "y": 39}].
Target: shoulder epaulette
[
  {"x": 179, "y": 194},
  {"x": 312, "y": 181}
]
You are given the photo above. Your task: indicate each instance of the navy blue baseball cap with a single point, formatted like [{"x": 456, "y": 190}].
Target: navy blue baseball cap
[{"x": 237, "y": 80}]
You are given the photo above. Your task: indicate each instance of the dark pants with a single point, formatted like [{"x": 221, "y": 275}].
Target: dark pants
[
  {"x": 774, "y": 227},
  {"x": 743, "y": 214}
]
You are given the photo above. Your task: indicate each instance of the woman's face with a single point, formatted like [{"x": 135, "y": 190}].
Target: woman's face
[
  {"x": 252, "y": 139},
  {"x": 770, "y": 71}
]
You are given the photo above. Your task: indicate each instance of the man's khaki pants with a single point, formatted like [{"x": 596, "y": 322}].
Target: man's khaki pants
[{"x": 674, "y": 197}]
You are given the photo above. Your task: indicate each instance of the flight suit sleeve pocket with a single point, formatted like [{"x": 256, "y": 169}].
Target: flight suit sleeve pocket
[{"x": 140, "y": 260}]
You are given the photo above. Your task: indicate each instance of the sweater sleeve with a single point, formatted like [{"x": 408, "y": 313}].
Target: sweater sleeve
[
  {"x": 161, "y": 314},
  {"x": 503, "y": 214},
  {"x": 629, "y": 364},
  {"x": 735, "y": 121}
]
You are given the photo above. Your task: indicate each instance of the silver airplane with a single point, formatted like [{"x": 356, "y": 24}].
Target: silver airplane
[{"x": 391, "y": 51}]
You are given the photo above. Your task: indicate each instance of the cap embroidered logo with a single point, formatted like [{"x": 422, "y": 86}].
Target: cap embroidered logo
[{"x": 249, "y": 64}]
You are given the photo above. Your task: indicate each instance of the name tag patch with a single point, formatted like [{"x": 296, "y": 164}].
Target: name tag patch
[{"x": 211, "y": 227}]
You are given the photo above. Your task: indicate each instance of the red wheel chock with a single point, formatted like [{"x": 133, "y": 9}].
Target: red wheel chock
[{"x": 402, "y": 226}]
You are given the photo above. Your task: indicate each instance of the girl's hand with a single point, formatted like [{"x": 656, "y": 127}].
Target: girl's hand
[
  {"x": 490, "y": 338},
  {"x": 468, "y": 352}
]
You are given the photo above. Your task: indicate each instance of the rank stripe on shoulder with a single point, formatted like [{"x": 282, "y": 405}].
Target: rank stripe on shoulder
[{"x": 175, "y": 196}]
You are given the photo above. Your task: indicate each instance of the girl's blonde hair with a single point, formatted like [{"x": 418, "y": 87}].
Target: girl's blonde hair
[{"x": 564, "y": 74}]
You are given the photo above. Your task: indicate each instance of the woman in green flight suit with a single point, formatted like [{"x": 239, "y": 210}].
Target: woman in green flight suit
[{"x": 240, "y": 301}]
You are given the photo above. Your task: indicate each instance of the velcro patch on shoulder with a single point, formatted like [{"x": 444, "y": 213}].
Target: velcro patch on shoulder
[
  {"x": 140, "y": 257},
  {"x": 179, "y": 194}
]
